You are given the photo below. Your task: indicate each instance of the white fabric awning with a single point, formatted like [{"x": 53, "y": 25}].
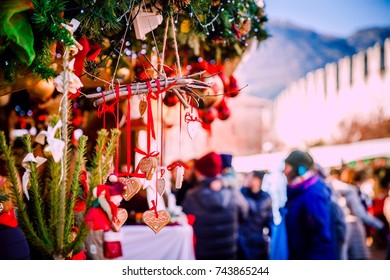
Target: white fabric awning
[{"x": 326, "y": 156}]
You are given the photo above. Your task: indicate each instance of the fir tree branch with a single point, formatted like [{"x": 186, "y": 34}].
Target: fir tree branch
[
  {"x": 22, "y": 214},
  {"x": 53, "y": 184},
  {"x": 36, "y": 207},
  {"x": 79, "y": 163},
  {"x": 96, "y": 175}
]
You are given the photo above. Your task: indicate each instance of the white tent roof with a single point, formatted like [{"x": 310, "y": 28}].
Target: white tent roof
[{"x": 326, "y": 156}]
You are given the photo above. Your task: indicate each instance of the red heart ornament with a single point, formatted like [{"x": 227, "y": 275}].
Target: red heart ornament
[{"x": 156, "y": 223}]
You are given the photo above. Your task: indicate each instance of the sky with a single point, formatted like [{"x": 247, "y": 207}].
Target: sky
[{"x": 331, "y": 17}]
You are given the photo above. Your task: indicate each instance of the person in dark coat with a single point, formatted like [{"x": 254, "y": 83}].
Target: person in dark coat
[
  {"x": 308, "y": 219},
  {"x": 217, "y": 210},
  {"x": 255, "y": 231},
  {"x": 13, "y": 243}
]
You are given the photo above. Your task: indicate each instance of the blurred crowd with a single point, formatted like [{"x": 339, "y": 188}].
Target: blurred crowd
[{"x": 299, "y": 211}]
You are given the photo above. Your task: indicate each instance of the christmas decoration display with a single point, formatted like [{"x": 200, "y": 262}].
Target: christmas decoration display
[{"x": 108, "y": 52}]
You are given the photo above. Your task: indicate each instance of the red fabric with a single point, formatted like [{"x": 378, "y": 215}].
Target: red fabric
[
  {"x": 112, "y": 249},
  {"x": 79, "y": 256},
  {"x": 8, "y": 219},
  {"x": 96, "y": 219}
]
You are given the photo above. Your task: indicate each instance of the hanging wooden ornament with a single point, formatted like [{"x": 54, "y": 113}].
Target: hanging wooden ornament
[
  {"x": 121, "y": 219},
  {"x": 148, "y": 166},
  {"x": 160, "y": 185},
  {"x": 193, "y": 124},
  {"x": 133, "y": 185},
  {"x": 142, "y": 106},
  {"x": 156, "y": 220},
  {"x": 179, "y": 176}
]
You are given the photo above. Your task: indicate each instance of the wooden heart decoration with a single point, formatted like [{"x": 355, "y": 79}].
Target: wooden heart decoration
[
  {"x": 160, "y": 186},
  {"x": 156, "y": 224},
  {"x": 121, "y": 219},
  {"x": 133, "y": 185},
  {"x": 148, "y": 165},
  {"x": 142, "y": 107}
]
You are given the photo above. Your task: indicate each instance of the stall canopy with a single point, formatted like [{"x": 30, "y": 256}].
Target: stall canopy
[{"x": 326, "y": 156}]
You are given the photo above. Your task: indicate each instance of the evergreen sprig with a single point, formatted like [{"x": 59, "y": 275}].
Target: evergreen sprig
[
  {"x": 37, "y": 208},
  {"x": 24, "y": 220}
]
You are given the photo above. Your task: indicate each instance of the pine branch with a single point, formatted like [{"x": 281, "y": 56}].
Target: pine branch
[
  {"x": 96, "y": 175},
  {"x": 22, "y": 214},
  {"x": 110, "y": 151},
  {"x": 79, "y": 163},
  {"x": 3, "y": 197},
  {"x": 53, "y": 185},
  {"x": 37, "y": 207}
]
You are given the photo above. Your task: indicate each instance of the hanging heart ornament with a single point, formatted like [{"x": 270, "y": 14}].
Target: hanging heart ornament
[
  {"x": 156, "y": 223},
  {"x": 160, "y": 186},
  {"x": 121, "y": 219},
  {"x": 148, "y": 166},
  {"x": 142, "y": 106},
  {"x": 133, "y": 185}
]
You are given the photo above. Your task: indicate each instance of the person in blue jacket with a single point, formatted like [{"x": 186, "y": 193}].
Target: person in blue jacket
[{"x": 309, "y": 214}]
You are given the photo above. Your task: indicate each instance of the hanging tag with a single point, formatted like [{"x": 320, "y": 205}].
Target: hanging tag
[
  {"x": 179, "y": 177},
  {"x": 156, "y": 223},
  {"x": 192, "y": 129},
  {"x": 142, "y": 106},
  {"x": 133, "y": 185},
  {"x": 160, "y": 186},
  {"x": 148, "y": 166}
]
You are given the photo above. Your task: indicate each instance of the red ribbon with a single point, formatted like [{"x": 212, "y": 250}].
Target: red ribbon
[
  {"x": 154, "y": 208},
  {"x": 146, "y": 154},
  {"x": 90, "y": 51},
  {"x": 176, "y": 164},
  {"x": 128, "y": 128}
]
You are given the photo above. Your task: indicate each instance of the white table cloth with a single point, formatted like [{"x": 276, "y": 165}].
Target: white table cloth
[{"x": 139, "y": 242}]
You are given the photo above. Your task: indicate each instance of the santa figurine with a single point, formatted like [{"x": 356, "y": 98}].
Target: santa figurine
[{"x": 104, "y": 220}]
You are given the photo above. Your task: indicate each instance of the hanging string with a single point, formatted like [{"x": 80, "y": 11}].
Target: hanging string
[
  {"x": 176, "y": 47},
  {"x": 117, "y": 127}
]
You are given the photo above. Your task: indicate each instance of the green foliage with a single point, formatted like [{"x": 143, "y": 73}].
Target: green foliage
[{"x": 40, "y": 217}]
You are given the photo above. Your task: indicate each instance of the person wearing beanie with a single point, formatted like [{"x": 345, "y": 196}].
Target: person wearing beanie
[
  {"x": 309, "y": 212},
  {"x": 217, "y": 211},
  {"x": 229, "y": 175},
  {"x": 255, "y": 231}
]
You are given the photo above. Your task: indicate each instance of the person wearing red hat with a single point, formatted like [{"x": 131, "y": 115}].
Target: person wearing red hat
[{"x": 217, "y": 210}]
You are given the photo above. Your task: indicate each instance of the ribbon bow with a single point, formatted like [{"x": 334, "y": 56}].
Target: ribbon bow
[
  {"x": 28, "y": 159},
  {"x": 56, "y": 145}
]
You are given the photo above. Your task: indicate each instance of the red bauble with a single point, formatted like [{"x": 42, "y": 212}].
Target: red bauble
[
  {"x": 223, "y": 111},
  {"x": 232, "y": 89},
  {"x": 170, "y": 99},
  {"x": 208, "y": 116}
]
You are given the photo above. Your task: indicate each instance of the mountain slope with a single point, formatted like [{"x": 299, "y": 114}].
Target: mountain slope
[{"x": 292, "y": 51}]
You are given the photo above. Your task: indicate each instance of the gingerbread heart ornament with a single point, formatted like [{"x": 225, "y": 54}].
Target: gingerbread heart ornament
[
  {"x": 156, "y": 223},
  {"x": 142, "y": 107},
  {"x": 148, "y": 165},
  {"x": 133, "y": 185},
  {"x": 121, "y": 219}
]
